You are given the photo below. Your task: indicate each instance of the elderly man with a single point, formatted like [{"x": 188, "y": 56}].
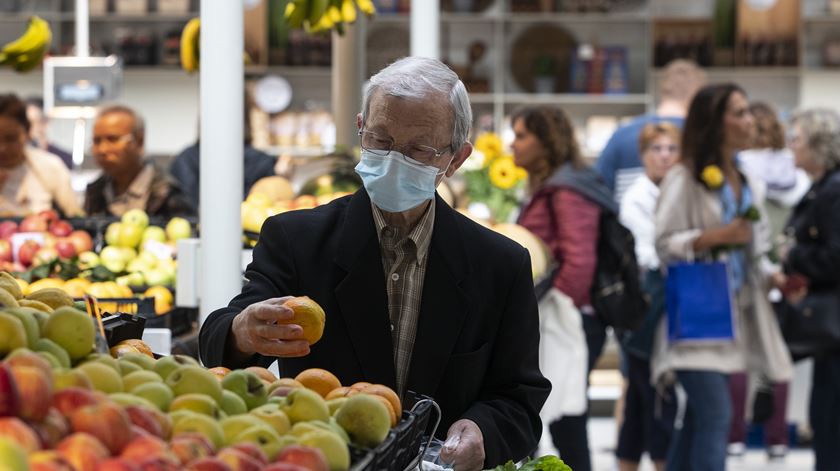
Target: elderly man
[
  {"x": 128, "y": 181},
  {"x": 417, "y": 296}
]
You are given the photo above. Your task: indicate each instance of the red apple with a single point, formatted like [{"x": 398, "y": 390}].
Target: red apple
[
  {"x": 35, "y": 389},
  {"x": 26, "y": 252},
  {"x": 69, "y": 400},
  {"x": 208, "y": 464},
  {"x": 142, "y": 447},
  {"x": 45, "y": 256},
  {"x": 106, "y": 421},
  {"x": 143, "y": 417},
  {"x": 82, "y": 241},
  {"x": 252, "y": 450},
  {"x": 117, "y": 464},
  {"x": 60, "y": 228},
  {"x": 25, "y": 357},
  {"x": 7, "y": 228},
  {"x": 52, "y": 429},
  {"x": 284, "y": 467},
  {"x": 191, "y": 446},
  {"x": 49, "y": 460},
  {"x": 308, "y": 457},
  {"x": 83, "y": 451},
  {"x": 6, "y": 251},
  {"x": 160, "y": 463},
  {"x": 17, "y": 431},
  {"x": 33, "y": 223},
  {"x": 9, "y": 396},
  {"x": 65, "y": 248},
  {"x": 49, "y": 215},
  {"x": 239, "y": 461}
]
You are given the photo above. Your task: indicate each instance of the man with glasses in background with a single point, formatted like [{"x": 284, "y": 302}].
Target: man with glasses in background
[
  {"x": 128, "y": 181},
  {"x": 417, "y": 296}
]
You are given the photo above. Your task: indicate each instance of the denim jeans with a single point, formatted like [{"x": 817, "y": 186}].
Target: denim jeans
[
  {"x": 700, "y": 445},
  {"x": 825, "y": 411}
]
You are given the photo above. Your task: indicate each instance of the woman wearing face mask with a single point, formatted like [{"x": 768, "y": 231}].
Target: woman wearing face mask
[
  {"x": 31, "y": 180},
  {"x": 647, "y": 425},
  {"x": 567, "y": 198},
  {"x": 703, "y": 213}
]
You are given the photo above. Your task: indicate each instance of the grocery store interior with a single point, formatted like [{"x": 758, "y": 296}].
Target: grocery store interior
[{"x": 247, "y": 73}]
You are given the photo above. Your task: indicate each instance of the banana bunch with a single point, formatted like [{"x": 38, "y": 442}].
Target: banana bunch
[
  {"x": 27, "y": 52},
  {"x": 190, "y": 45},
  {"x": 323, "y": 15}
]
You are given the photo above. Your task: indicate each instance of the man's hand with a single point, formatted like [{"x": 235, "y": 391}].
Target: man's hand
[
  {"x": 464, "y": 446},
  {"x": 255, "y": 330}
]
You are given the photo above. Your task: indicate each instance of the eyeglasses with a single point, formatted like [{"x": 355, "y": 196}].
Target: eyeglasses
[
  {"x": 661, "y": 148},
  {"x": 112, "y": 139},
  {"x": 426, "y": 155}
]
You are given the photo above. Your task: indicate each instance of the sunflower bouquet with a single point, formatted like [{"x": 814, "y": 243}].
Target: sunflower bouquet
[{"x": 492, "y": 178}]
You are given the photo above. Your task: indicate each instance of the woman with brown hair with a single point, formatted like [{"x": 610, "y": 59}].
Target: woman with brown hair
[{"x": 567, "y": 198}]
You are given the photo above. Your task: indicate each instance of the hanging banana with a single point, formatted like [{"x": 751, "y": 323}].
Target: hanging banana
[
  {"x": 27, "y": 52},
  {"x": 317, "y": 16},
  {"x": 190, "y": 45}
]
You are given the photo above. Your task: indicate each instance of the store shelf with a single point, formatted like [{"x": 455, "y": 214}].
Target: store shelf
[
  {"x": 474, "y": 18},
  {"x": 640, "y": 99},
  {"x": 575, "y": 18},
  {"x": 144, "y": 18},
  {"x": 290, "y": 71},
  {"x": 390, "y": 18}
]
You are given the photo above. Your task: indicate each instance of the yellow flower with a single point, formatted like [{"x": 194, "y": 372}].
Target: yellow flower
[
  {"x": 490, "y": 144},
  {"x": 503, "y": 172},
  {"x": 712, "y": 176}
]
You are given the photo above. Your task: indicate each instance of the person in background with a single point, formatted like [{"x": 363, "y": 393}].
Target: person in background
[
  {"x": 647, "y": 426},
  {"x": 704, "y": 207},
  {"x": 38, "y": 125},
  {"x": 31, "y": 180},
  {"x": 815, "y": 256},
  {"x": 129, "y": 181},
  {"x": 412, "y": 299},
  {"x": 769, "y": 162},
  {"x": 185, "y": 168},
  {"x": 619, "y": 162},
  {"x": 564, "y": 210}
]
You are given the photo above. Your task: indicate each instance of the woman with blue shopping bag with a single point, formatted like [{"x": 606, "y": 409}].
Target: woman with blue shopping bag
[{"x": 711, "y": 235}]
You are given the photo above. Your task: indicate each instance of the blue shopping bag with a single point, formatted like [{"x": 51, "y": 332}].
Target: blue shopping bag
[{"x": 699, "y": 302}]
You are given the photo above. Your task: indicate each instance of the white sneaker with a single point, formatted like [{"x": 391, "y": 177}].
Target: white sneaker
[
  {"x": 736, "y": 449},
  {"x": 776, "y": 452}
]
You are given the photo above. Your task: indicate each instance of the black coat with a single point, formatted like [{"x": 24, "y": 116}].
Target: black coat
[
  {"x": 476, "y": 351},
  {"x": 166, "y": 199},
  {"x": 815, "y": 223}
]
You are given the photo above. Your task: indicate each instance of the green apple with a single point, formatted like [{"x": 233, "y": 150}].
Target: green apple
[
  {"x": 135, "y": 217},
  {"x": 132, "y": 279},
  {"x": 72, "y": 330},
  {"x": 12, "y": 333},
  {"x": 51, "y": 359},
  {"x": 157, "y": 393},
  {"x": 232, "y": 404},
  {"x": 41, "y": 317},
  {"x": 196, "y": 402},
  {"x": 335, "y": 403},
  {"x": 365, "y": 419},
  {"x": 337, "y": 429},
  {"x": 144, "y": 361},
  {"x": 263, "y": 436},
  {"x": 166, "y": 365},
  {"x": 112, "y": 233},
  {"x": 111, "y": 257},
  {"x": 64, "y": 378},
  {"x": 334, "y": 448},
  {"x": 30, "y": 323},
  {"x": 88, "y": 260},
  {"x": 234, "y": 425},
  {"x": 153, "y": 233},
  {"x": 178, "y": 228},
  {"x": 132, "y": 380},
  {"x": 47, "y": 345},
  {"x": 194, "y": 379},
  {"x": 103, "y": 358},
  {"x": 246, "y": 385},
  {"x": 201, "y": 424},
  {"x": 305, "y": 404},
  {"x": 274, "y": 417},
  {"x": 127, "y": 367},
  {"x": 12, "y": 455},
  {"x": 102, "y": 377},
  {"x": 126, "y": 399},
  {"x": 302, "y": 428},
  {"x": 129, "y": 236},
  {"x": 157, "y": 277}
]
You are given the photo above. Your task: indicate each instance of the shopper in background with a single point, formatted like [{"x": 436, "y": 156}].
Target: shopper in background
[
  {"x": 648, "y": 420},
  {"x": 769, "y": 162},
  {"x": 413, "y": 299},
  {"x": 815, "y": 256},
  {"x": 702, "y": 209},
  {"x": 129, "y": 180},
  {"x": 619, "y": 162},
  {"x": 566, "y": 201},
  {"x": 38, "y": 124},
  {"x": 31, "y": 180},
  {"x": 185, "y": 168}
]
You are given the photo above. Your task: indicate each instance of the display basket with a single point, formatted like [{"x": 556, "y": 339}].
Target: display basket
[{"x": 178, "y": 320}]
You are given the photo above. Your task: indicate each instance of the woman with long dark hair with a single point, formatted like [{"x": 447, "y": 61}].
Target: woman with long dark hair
[{"x": 708, "y": 210}]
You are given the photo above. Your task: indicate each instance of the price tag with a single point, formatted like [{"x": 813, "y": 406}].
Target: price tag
[{"x": 160, "y": 250}]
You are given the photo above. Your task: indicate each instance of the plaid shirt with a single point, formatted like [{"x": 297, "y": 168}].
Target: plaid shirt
[{"x": 404, "y": 258}]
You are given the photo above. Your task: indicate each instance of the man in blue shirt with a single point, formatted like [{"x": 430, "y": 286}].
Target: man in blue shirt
[{"x": 619, "y": 163}]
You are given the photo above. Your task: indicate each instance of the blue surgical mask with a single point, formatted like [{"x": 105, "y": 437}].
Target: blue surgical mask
[{"x": 396, "y": 183}]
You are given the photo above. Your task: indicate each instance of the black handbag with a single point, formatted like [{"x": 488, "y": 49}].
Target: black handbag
[{"x": 812, "y": 326}]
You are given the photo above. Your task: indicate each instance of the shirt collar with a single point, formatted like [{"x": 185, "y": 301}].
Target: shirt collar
[
  {"x": 139, "y": 186},
  {"x": 420, "y": 234}
]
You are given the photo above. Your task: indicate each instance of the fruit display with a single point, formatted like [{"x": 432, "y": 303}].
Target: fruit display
[
  {"x": 323, "y": 15},
  {"x": 258, "y": 207},
  {"x": 27, "y": 52},
  {"x": 64, "y": 406}
]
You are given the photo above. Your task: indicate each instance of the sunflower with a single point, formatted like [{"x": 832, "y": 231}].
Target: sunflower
[
  {"x": 712, "y": 176},
  {"x": 503, "y": 172},
  {"x": 490, "y": 144}
]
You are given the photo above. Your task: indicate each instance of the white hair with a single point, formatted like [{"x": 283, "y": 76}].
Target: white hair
[
  {"x": 821, "y": 132},
  {"x": 418, "y": 78}
]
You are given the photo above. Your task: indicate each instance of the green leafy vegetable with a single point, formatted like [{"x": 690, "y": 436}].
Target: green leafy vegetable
[{"x": 545, "y": 463}]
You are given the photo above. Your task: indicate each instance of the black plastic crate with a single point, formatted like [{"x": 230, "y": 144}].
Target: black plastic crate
[{"x": 178, "y": 320}]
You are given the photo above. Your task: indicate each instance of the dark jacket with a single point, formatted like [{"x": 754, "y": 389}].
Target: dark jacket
[
  {"x": 185, "y": 169},
  {"x": 815, "y": 223},
  {"x": 476, "y": 351},
  {"x": 166, "y": 199}
]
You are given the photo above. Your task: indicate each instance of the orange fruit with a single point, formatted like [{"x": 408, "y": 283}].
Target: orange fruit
[
  {"x": 359, "y": 386},
  {"x": 141, "y": 346},
  {"x": 388, "y": 393},
  {"x": 263, "y": 373},
  {"x": 163, "y": 298},
  {"x": 219, "y": 372},
  {"x": 309, "y": 315},
  {"x": 318, "y": 380},
  {"x": 337, "y": 392}
]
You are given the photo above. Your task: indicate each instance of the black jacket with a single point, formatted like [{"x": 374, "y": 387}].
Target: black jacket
[
  {"x": 476, "y": 351},
  {"x": 165, "y": 201},
  {"x": 815, "y": 223}
]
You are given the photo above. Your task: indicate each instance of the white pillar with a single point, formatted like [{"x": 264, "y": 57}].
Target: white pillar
[
  {"x": 347, "y": 80},
  {"x": 425, "y": 28},
  {"x": 221, "y": 90},
  {"x": 82, "y": 28}
]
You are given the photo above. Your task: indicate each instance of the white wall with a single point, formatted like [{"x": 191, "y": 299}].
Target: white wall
[
  {"x": 167, "y": 99},
  {"x": 819, "y": 89}
]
